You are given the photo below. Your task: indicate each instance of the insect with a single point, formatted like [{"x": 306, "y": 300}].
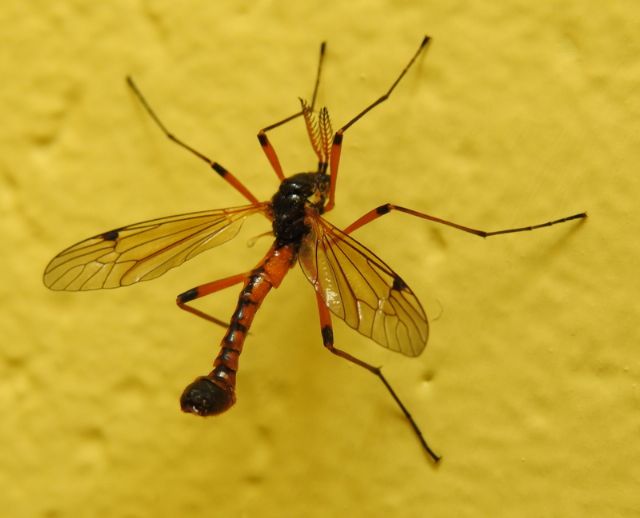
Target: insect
[{"x": 349, "y": 280}]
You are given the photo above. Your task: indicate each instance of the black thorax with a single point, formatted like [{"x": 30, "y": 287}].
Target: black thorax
[{"x": 296, "y": 195}]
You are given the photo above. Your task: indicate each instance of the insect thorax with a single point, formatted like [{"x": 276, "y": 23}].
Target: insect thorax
[{"x": 296, "y": 195}]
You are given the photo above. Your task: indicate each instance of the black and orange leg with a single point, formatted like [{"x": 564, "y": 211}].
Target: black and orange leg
[
  {"x": 224, "y": 174},
  {"x": 207, "y": 289},
  {"x": 336, "y": 147},
  {"x": 268, "y": 149},
  {"x": 388, "y": 207},
  {"x": 327, "y": 340}
]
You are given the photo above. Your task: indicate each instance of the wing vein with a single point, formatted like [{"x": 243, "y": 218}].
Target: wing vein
[{"x": 361, "y": 289}]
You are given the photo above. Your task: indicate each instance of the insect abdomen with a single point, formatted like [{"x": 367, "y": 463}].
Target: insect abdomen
[{"x": 215, "y": 393}]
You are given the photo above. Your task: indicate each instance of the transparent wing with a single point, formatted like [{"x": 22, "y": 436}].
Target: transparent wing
[
  {"x": 142, "y": 251},
  {"x": 358, "y": 287}
]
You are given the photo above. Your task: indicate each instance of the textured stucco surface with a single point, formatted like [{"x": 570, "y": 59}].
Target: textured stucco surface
[{"x": 520, "y": 112}]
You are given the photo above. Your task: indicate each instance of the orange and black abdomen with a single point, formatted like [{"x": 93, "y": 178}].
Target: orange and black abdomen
[{"x": 215, "y": 393}]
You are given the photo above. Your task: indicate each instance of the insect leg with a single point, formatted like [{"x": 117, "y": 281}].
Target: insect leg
[
  {"x": 226, "y": 175},
  {"x": 336, "y": 146},
  {"x": 204, "y": 290},
  {"x": 268, "y": 149},
  {"x": 388, "y": 207},
  {"x": 327, "y": 340}
]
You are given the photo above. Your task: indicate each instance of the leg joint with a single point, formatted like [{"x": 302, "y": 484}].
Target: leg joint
[
  {"x": 187, "y": 296},
  {"x": 327, "y": 337},
  {"x": 383, "y": 209},
  {"x": 219, "y": 169}
]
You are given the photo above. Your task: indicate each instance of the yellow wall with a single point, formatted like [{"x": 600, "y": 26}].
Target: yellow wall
[{"x": 520, "y": 112}]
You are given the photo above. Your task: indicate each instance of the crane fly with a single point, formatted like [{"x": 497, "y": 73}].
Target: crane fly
[{"x": 349, "y": 280}]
